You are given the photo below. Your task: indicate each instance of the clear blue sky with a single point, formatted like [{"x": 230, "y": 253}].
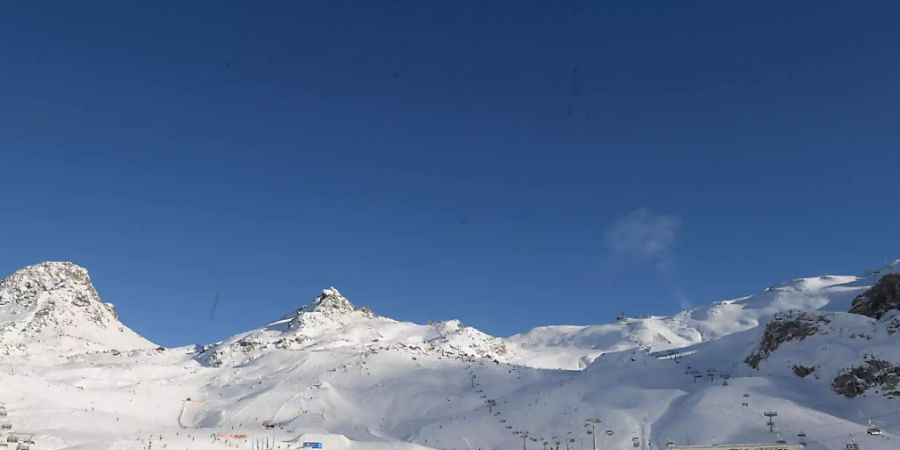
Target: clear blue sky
[{"x": 509, "y": 164}]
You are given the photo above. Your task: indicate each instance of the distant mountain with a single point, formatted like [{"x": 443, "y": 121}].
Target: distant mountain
[
  {"x": 53, "y": 308},
  {"x": 330, "y": 321},
  {"x": 822, "y": 352}
]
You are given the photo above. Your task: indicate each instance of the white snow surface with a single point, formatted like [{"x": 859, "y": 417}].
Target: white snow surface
[{"x": 73, "y": 376}]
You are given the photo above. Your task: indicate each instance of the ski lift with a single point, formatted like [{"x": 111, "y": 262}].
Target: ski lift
[
  {"x": 873, "y": 430},
  {"x": 670, "y": 444},
  {"x": 635, "y": 442},
  {"x": 852, "y": 445}
]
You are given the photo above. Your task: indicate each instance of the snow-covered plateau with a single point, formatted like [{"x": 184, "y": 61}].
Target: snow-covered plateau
[{"x": 821, "y": 352}]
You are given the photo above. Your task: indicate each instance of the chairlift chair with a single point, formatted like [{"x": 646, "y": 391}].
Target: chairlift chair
[
  {"x": 873, "y": 430},
  {"x": 852, "y": 445}
]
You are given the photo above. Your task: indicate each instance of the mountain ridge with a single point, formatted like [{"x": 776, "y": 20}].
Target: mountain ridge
[
  {"x": 341, "y": 374},
  {"x": 549, "y": 346}
]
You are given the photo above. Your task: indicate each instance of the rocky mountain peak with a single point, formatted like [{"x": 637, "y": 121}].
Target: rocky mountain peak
[
  {"x": 56, "y": 300},
  {"x": 25, "y": 289},
  {"x": 330, "y": 301}
]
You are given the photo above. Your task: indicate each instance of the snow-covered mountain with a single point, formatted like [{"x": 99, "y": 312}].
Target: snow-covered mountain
[
  {"x": 53, "y": 308},
  {"x": 573, "y": 347},
  {"x": 341, "y": 374},
  {"x": 332, "y": 322}
]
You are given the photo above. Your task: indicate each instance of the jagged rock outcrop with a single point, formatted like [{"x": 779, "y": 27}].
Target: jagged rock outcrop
[
  {"x": 330, "y": 301},
  {"x": 786, "y": 327},
  {"x": 872, "y": 373},
  {"x": 802, "y": 371},
  {"x": 884, "y": 296},
  {"x": 53, "y": 306}
]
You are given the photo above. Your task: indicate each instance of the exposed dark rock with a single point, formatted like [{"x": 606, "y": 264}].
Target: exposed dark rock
[
  {"x": 785, "y": 327},
  {"x": 872, "y": 373},
  {"x": 803, "y": 371},
  {"x": 893, "y": 325},
  {"x": 879, "y": 299}
]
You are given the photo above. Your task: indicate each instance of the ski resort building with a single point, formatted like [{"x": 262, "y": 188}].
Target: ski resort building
[{"x": 740, "y": 447}]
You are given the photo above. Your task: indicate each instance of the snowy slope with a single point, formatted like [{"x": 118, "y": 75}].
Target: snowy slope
[
  {"x": 340, "y": 374},
  {"x": 573, "y": 347}
]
